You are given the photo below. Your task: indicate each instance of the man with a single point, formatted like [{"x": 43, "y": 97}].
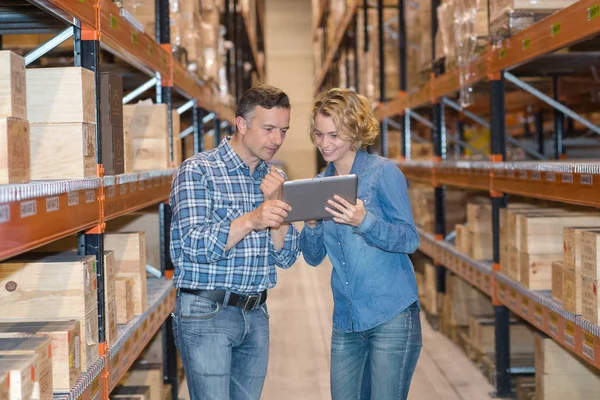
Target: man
[{"x": 227, "y": 235}]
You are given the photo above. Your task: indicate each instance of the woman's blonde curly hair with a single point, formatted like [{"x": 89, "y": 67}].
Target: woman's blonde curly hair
[{"x": 351, "y": 114}]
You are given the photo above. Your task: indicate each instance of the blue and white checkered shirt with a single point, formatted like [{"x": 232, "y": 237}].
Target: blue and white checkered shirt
[{"x": 212, "y": 189}]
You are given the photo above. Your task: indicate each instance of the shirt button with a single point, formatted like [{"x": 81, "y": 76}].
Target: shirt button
[
  {"x": 340, "y": 243},
  {"x": 347, "y": 283}
]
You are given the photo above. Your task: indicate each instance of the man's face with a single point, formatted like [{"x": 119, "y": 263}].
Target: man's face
[{"x": 266, "y": 131}]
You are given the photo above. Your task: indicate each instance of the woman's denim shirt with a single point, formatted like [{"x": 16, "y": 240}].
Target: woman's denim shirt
[{"x": 373, "y": 279}]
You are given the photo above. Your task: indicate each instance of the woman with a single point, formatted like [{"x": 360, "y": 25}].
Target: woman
[{"x": 376, "y": 339}]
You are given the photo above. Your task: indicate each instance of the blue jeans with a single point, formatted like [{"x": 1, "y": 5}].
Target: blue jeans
[
  {"x": 377, "y": 364},
  {"x": 224, "y": 350}
]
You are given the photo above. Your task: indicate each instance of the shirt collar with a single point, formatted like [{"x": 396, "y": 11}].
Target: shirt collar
[
  {"x": 233, "y": 161},
  {"x": 357, "y": 165}
]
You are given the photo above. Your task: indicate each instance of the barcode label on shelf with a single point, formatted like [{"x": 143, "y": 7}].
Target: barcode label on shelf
[
  {"x": 567, "y": 178},
  {"x": 111, "y": 191},
  {"x": 90, "y": 196},
  {"x": 132, "y": 187},
  {"x": 73, "y": 199},
  {"x": 510, "y": 174},
  {"x": 52, "y": 204},
  {"x": 513, "y": 298},
  {"x": 555, "y": 29},
  {"x": 570, "y": 333},
  {"x": 550, "y": 176},
  {"x": 593, "y": 12},
  {"x": 113, "y": 21},
  {"x": 28, "y": 208},
  {"x": 536, "y": 176},
  {"x": 141, "y": 185},
  {"x": 588, "y": 345},
  {"x": 586, "y": 179},
  {"x": 122, "y": 189},
  {"x": 523, "y": 174},
  {"x": 4, "y": 213},
  {"x": 526, "y": 44},
  {"x": 501, "y": 291},
  {"x": 539, "y": 315},
  {"x": 95, "y": 387},
  {"x": 525, "y": 306},
  {"x": 553, "y": 324}
]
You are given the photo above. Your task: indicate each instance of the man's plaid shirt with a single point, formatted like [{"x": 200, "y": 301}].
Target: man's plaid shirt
[{"x": 212, "y": 189}]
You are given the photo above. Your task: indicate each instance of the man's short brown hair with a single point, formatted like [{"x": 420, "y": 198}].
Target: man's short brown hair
[{"x": 265, "y": 96}]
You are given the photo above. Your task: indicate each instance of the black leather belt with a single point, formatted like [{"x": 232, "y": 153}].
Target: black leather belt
[{"x": 250, "y": 302}]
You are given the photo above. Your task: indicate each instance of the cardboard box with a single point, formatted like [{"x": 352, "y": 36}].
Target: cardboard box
[
  {"x": 61, "y": 95},
  {"x": 15, "y": 161},
  {"x": 63, "y": 151},
  {"x": 13, "y": 93}
]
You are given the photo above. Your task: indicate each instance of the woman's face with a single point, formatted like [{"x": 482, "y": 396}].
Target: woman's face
[{"x": 331, "y": 146}]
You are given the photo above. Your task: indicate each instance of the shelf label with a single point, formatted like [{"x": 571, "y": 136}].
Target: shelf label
[
  {"x": 113, "y": 21},
  {"x": 593, "y": 12},
  {"x": 150, "y": 50},
  {"x": 122, "y": 189},
  {"x": 523, "y": 175},
  {"x": 478, "y": 278},
  {"x": 52, "y": 204},
  {"x": 487, "y": 282},
  {"x": 525, "y": 305},
  {"x": 111, "y": 191},
  {"x": 134, "y": 37},
  {"x": 526, "y": 44},
  {"x": 567, "y": 178},
  {"x": 588, "y": 345},
  {"x": 555, "y": 29},
  {"x": 4, "y": 213},
  {"x": 513, "y": 298},
  {"x": 501, "y": 291},
  {"x": 132, "y": 187},
  {"x": 502, "y": 53},
  {"x": 586, "y": 179},
  {"x": 539, "y": 315},
  {"x": 141, "y": 185},
  {"x": 536, "y": 176},
  {"x": 90, "y": 196},
  {"x": 570, "y": 333},
  {"x": 510, "y": 174},
  {"x": 95, "y": 386},
  {"x": 550, "y": 177},
  {"x": 28, "y": 208},
  {"x": 73, "y": 199},
  {"x": 553, "y": 324}
]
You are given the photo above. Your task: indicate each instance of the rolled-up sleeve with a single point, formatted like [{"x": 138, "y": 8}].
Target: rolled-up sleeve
[
  {"x": 288, "y": 254},
  {"x": 200, "y": 240}
]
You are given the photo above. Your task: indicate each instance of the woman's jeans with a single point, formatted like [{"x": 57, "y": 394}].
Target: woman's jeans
[
  {"x": 224, "y": 351},
  {"x": 377, "y": 364}
]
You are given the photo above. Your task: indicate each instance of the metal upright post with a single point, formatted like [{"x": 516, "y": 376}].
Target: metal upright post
[
  {"x": 539, "y": 131},
  {"x": 198, "y": 129},
  {"x": 460, "y": 131},
  {"x": 217, "y": 130},
  {"x": 498, "y": 147},
  {"x": 87, "y": 55},
  {"x": 164, "y": 89},
  {"x": 559, "y": 123},
  {"x": 382, "y": 83}
]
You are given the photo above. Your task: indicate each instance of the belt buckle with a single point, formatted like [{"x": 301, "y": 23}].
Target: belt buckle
[{"x": 251, "y": 302}]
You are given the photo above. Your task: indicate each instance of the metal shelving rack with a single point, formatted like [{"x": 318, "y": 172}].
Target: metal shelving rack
[
  {"x": 572, "y": 183},
  {"x": 85, "y": 205}
]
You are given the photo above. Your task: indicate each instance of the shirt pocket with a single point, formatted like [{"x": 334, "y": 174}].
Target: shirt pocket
[{"x": 227, "y": 210}]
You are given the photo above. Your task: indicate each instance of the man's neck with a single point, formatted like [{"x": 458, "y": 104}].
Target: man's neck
[{"x": 250, "y": 160}]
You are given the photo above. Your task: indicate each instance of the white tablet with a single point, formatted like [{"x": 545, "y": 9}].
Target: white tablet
[{"x": 308, "y": 197}]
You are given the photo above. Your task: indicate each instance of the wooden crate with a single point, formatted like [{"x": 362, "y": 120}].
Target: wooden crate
[
  {"x": 482, "y": 335},
  {"x": 146, "y": 120},
  {"x": 13, "y": 95},
  {"x": 560, "y": 375},
  {"x": 465, "y": 301},
  {"x": 143, "y": 374},
  {"x": 479, "y": 217},
  {"x": 515, "y": 220},
  {"x": 65, "y": 339},
  {"x": 591, "y": 254},
  {"x": 41, "y": 349},
  {"x": 572, "y": 290},
  {"x": 130, "y": 256},
  {"x": 62, "y": 151},
  {"x": 61, "y": 95},
  {"x": 150, "y": 153},
  {"x": 14, "y": 151},
  {"x": 573, "y": 245},
  {"x": 557, "y": 281},
  {"x": 177, "y": 143},
  {"x": 544, "y": 234},
  {"x": 536, "y": 270},
  {"x": 514, "y": 272},
  {"x": 589, "y": 296},
  {"x": 113, "y": 149},
  {"x": 111, "y": 321},
  {"x": 131, "y": 393},
  {"x": 111, "y": 99},
  {"x": 430, "y": 300},
  {"x": 39, "y": 285},
  {"x": 20, "y": 373},
  {"x": 462, "y": 238},
  {"x": 125, "y": 307},
  {"x": 481, "y": 245}
]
